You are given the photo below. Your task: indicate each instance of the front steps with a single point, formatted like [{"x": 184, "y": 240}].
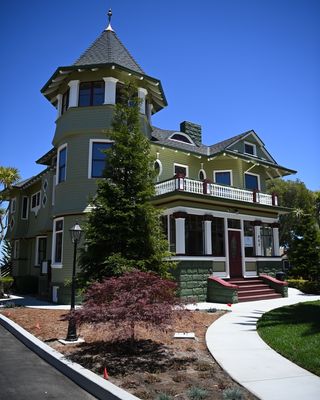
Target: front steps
[{"x": 252, "y": 289}]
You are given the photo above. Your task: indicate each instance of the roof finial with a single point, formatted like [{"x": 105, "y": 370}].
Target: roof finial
[{"x": 109, "y": 27}]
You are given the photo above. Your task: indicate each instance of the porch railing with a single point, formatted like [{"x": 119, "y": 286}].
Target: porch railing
[{"x": 207, "y": 188}]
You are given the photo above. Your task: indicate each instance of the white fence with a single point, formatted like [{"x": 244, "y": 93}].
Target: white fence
[{"x": 212, "y": 189}]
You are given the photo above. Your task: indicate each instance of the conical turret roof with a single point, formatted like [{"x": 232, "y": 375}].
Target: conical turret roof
[{"x": 108, "y": 49}]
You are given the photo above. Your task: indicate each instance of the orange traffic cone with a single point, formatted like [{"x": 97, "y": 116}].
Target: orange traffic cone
[{"x": 105, "y": 373}]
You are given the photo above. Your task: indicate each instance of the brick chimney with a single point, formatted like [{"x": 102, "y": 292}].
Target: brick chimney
[{"x": 192, "y": 130}]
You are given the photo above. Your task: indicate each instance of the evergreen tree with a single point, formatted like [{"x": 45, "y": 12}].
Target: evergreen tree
[
  {"x": 6, "y": 254},
  {"x": 304, "y": 252},
  {"x": 123, "y": 230}
]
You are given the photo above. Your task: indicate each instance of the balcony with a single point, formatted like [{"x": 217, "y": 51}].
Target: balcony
[{"x": 207, "y": 188}]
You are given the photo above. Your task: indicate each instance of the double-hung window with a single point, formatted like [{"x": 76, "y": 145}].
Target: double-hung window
[
  {"x": 35, "y": 201},
  {"x": 57, "y": 245},
  {"x": 223, "y": 177},
  {"x": 62, "y": 164},
  {"x": 251, "y": 181},
  {"x": 97, "y": 158},
  {"x": 25, "y": 207},
  {"x": 181, "y": 170},
  {"x": 41, "y": 249},
  {"x": 91, "y": 93},
  {"x": 250, "y": 148}
]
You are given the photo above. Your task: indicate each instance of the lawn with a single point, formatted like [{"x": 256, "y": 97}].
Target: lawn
[{"x": 294, "y": 332}]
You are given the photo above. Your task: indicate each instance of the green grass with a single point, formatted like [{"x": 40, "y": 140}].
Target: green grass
[{"x": 294, "y": 332}]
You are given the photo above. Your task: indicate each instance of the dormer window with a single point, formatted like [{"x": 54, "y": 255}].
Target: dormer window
[
  {"x": 91, "y": 93},
  {"x": 250, "y": 148},
  {"x": 181, "y": 137}
]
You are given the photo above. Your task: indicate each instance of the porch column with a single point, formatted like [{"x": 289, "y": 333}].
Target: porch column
[
  {"x": 207, "y": 235},
  {"x": 275, "y": 235},
  {"x": 142, "y": 93},
  {"x": 110, "y": 86},
  {"x": 180, "y": 219},
  {"x": 257, "y": 238},
  {"x": 74, "y": 93},
  {"x": 59, "y": 104}
]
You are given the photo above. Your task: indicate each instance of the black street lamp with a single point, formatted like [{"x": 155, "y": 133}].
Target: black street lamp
[{"x": 75, "y": 233}]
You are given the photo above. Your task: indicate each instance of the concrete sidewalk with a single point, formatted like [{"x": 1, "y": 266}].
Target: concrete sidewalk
[{"x": 235, "y": 344}]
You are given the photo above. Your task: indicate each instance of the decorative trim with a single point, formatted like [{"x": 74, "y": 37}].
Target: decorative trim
[
  {"x": 180, "y": 215},
  {"x": 196, "y": 258}
]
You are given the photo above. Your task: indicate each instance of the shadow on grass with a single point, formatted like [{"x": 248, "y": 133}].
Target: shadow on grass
[
  {"x": 302, "y": 313},
  {"x": 125, "y": 357}
]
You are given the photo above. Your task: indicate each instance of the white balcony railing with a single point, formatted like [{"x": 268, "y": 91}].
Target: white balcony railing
[{"x": 212, "y": 189}]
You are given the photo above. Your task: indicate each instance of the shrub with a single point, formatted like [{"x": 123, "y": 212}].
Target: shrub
[
  {"x": 5, "y": 284},
  {"x": 131, "y": 299},
  {"x": 233, "y": 394},
  {"x": 309, "y": 287},
  {"x": 196, "y": 393}
]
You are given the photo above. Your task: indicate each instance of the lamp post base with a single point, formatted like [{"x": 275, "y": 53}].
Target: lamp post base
[{"x": 72, "y": 331}]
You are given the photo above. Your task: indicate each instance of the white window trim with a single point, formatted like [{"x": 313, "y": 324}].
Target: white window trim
[
  {"x": 204, "y": 173},
  {"x": 53, "y": 190},
  {"x": 223, "y": 170},
  {"x": 56, "y": 264},
  {"x": 180, "y": 141},
  {"x": 37, "y": 207},
  {"x": 250, "y": 173},
  {"x": 60, "y": 148},
  {"x": 16, "y": 249},
  {"x": 254, "y": 148},
  {"x": 13, "y": 205},
  {"x": 91, "y": 141},
  {"x": 36, "y": 258},
  {"x": 181, "y": 165},
  {"x": 27, "y": 216}
]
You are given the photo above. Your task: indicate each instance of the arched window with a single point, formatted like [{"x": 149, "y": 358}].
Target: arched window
[
  {"x": 202, "y": 175},
  {"x": 158, "y": 168},
  {"x": 181, "y": 137}
]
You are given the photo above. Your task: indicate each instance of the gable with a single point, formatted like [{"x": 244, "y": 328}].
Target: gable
[{"x": 251, "y": 145}]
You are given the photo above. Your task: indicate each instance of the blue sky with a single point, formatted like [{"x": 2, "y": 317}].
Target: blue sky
[{"x": 229, "y": 65}]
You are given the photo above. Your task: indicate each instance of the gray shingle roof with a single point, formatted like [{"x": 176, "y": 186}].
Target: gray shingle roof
[
  {"x": 216, "y": 148},
  {"x": 108, "y": 48}
]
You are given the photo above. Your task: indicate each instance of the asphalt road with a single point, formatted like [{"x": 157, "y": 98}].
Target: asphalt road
[{"x": 25, "y": 376}]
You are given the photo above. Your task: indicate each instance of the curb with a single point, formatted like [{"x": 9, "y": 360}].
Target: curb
[{"x": 89, "y": 381}]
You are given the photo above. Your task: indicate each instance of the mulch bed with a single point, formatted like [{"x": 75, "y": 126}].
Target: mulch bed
[{"x": 156, "y": 363}]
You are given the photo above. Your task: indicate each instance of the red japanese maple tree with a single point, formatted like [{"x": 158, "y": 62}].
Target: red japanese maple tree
[{"x": 133, "y": 298}]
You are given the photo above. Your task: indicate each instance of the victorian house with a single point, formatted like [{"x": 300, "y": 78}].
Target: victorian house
[{"x": 221, "y": 225}]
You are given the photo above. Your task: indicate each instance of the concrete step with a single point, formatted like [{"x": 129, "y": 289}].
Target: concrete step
[
  {"x": 253, "y": 287},
  {"x": 260, "y": 297},
  {"x": 245, "y": 293}
]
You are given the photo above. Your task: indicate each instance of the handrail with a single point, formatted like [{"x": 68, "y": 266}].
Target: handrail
[{"x": 180, "y": 183}]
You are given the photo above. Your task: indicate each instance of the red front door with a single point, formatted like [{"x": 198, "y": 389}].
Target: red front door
[{"x": 235, "y": 260}]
